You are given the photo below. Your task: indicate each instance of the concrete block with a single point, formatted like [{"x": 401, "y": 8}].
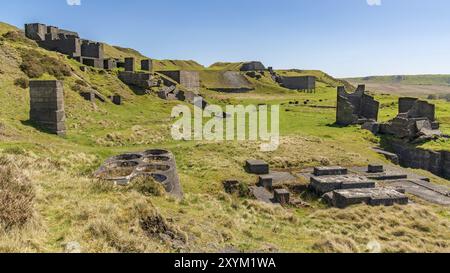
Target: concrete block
[
  {"x": 324, "y": 184},
  {"x": 266, "y": 181},
  {"x": 257, "y": 167},
  {"x": 336, "y": 170},
  {"x": 372, "y": 168},
  {"x": 282, "y": 196}
]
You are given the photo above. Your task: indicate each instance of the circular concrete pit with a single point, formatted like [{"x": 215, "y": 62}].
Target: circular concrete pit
[{"x": 156, "y": 163}]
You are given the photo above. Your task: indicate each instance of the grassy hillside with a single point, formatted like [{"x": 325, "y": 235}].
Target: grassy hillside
[
  {"x": 407, "y": 79},
  {"x": 68, "y": 205},
  {"x": 4, "y": 27}
]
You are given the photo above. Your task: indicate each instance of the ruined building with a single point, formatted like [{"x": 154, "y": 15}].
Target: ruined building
[
  {"x": 304, "y": 83},
  {"x": 253, "y": 66},
  {"x": 416, "y": 120},
  {"x": 355, "y": 108},
  {"x": 47, "y": 106},
  {"x": 188, "y": 79},
  {"x": 67, "y": 42}
]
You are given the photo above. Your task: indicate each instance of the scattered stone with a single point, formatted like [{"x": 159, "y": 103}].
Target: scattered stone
[
  {"x": 371, "y": 126},
  {"x": 231, "y": 186},
  {"x": 253, "y": 66},
  {"x": 116, "y": 99},
  {"x": 72, "y": 248},
  {"x": 320, "y": 171},
  {"x": 257, "y": 167},
  {"x": 375, "y": 168}
]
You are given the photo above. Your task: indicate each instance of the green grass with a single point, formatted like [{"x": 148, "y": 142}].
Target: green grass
[
  {"x": 71, "y": 206},
  {"x": 407, "y": 79}
]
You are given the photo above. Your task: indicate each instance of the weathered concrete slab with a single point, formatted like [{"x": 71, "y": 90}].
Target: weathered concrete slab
[
  {"x": 324, "y": 184},
  {"x": 429, "y": 192},
  {"x": 262, "y": 194},
  {"x": 256, "y": 167},
  {"x": 336, "y": 170},
  {"x": 372, "y": 197}
]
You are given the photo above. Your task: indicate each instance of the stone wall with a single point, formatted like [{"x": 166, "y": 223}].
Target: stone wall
[
  {"x": 47, "y": 106},
  {"x": 69, "y": 46}
]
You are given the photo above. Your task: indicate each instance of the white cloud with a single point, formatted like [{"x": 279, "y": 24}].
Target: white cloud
[
  {"x": 374, "y": 2},
  {"x": 74, "y": 2}
]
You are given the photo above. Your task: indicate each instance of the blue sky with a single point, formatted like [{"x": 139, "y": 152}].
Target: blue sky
[{"x": 341, "y": 37}]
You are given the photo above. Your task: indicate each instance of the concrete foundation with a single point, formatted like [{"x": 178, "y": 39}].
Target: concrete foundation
[
  {"x": 372, "y": 197},
  {"x": 324, "y": 184},
  {"x": 320, "y": 171}
]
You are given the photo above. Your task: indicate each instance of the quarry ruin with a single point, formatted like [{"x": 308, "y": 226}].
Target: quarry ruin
[
  {"x": 355, "y": 108},
  {"x": 67, "y": 42}
]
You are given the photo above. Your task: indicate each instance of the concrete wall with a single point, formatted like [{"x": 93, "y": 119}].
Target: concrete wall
[
  {"x": 147, "y": 65},
  {"x": 67, "y": 46},
  {"x": 129, "y": 64},
  {"x": 253, "y": 66},
  {"x": 92, "y": 49},
  {"x": 109, "y": 63},
  {"x": 299, "y": 83},
  {"x": 36, "y": 31},
  {"x": 351, "y": 107},
  {"x": 143, "y": 80},
  {"x": 189, "y": 79},
  {"x": 47, "y": 106},
  {"x": 436, "y": 162}
]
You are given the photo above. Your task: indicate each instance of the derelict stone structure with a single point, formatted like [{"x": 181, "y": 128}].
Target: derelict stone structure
[
  {"x": 157, "y": 164},
  {"x": 303, "y": 83},
  {"x": 189, "y": 79},
  {"x": 47, "y": 106},
  {"x": 355, "y": 108},
  {"x": 147, "y": 65},
  {"x": 66, "y": 42},
  {"x": 253, "y": 66},
  {"x": 109, "y": 64},
  {"x": 142, "y": 80},
  {"x": 129, "y": 65},
  {"x": 416, "y": 120}
]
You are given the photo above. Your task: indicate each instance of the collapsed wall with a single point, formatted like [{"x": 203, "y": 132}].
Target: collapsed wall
[{"x": 355, "y": 108}]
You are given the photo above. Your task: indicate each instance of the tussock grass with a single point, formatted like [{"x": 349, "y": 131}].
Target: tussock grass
[{"x": 17, "y": 196}]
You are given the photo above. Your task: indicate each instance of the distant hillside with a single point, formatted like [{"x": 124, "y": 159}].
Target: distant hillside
[
  {"x": 407, "y": 85},
  {"x": 407, "y": 79},
  {"x": 226, "y": 66}
]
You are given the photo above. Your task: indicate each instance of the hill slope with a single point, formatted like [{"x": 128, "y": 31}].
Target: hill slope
[{"x": 70, "y": 206}]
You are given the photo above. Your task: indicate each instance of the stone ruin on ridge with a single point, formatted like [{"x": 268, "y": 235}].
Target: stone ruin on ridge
[
  {"x": 355, "y": 108},
  {"x": 302, "y": 83},
  {"x": 69, "y": 43},
  {"x": 252, "y": 66},
  {"x": 47, "y": 106}
]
